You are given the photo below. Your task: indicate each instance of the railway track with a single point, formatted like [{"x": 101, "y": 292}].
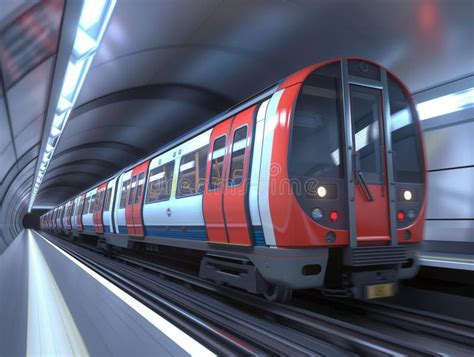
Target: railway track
[{"x": 256, "y": 325}]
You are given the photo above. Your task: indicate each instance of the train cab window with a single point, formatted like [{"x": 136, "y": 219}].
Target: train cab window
[
  {"x": 132, "y": 190},
  {"x": 159, "y": 183},
  {"x": 367, "y": 138},
  {"x": 315, "y": 137},
  {"x": 217, "y": 160},
  {"x": 192, "y": 173},
  {"x": 123, "y": 195},
  {"x": 405, "y": 142},
  {"x": 141, "y": 181},
  {"x": 107, "y": 200},
  {"x": 239, "y": 145}
]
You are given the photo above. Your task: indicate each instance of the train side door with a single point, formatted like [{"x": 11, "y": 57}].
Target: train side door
[
  {"x": 236, "y": 210},
  {"x": 370, "y": 169},
  {"x": 98, "y": 221},
  {"x": 133, "y": 210},
  {"x": 129, "y": 205},
  {"x": 217, "y": 163},
  {"x": 80, "y": 227},
  {"x": 137, "y": 208}
]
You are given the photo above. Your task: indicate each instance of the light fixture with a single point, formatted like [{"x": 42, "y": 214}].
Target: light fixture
[
  {"x": 407, "y": 195},
  {"x": 322, "y": 191},
  {"x": 446, "y": 104},
  {"x": 95, "y": 16}
]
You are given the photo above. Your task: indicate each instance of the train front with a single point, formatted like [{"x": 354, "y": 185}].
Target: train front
[{"x": 356, "y": 167}]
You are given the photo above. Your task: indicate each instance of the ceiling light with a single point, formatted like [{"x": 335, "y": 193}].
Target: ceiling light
[
  {"x": 83, "y": 43},
  {"x": 92, "y": 11},
  {"x": 95, "y": 16},
  {"x": 446, "y": 104}
]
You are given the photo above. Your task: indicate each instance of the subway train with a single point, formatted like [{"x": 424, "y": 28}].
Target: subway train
[{"x": 316, "y": 182}]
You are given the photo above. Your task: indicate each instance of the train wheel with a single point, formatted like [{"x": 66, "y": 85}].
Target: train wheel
[{"x": 278, "y": 293}]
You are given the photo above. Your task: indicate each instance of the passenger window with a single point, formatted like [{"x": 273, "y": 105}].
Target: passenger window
[
  {"x": 132, "y": 190},
  {"x": 123, "y": 196},
  {"x": 138, "y": 193},
  {"x": 239, "y": 145},
  {"x": 101, "y": 201},
  {"x": 159, "y": 183},
  {"x": 86, "y": 206},
  {"x": 218, "y": 153},
  {"x": 107, "y": 200},
  {"x": 92, "y": 204},
  {"x": 192, "y": 173}
]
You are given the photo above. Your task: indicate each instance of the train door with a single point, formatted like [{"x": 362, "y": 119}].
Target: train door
[
  {"x": 217, "y": 162},
  {"x": 80, "y": 226},
  {"x": 133, "y": 213},
  {"x": 236, "y": 210},
  {"x": 98, "y": 220},
  {"x": 225, "y": 204},
  {"x": 372, "y": 213}
]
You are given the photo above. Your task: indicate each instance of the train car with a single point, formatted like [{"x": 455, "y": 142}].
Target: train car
[{"x": 316, "y": 182}]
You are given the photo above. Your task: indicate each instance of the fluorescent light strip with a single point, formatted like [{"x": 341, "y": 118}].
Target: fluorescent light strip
[
  {"x": 446, "y": 104},
  {"x": 183, "y": 340},
  {"x": 95, "y": 16}
]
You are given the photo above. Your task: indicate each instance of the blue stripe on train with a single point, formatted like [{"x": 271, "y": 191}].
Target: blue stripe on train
[
  {"x": 89, "y": 228},
  {"x": 258, "y": 237},
  {"x": 189, "y": 233},
  {"x": 179, "y": 233},
  {"x": 107, "y": 229},
  {"x": 123, "y": 230}
]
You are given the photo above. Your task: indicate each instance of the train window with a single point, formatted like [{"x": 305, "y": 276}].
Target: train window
[
  {"x": 218, "y": 153},
  {"x": 159, "y": 183},
  {"x": 315, "y": 137},
  {"x": 132, "y": 189},
  {"x": 92, "y": 204},
  {"x": 364, "y": 69},
  {"x": 86, "y": 205},
  {"x": 366, "y": 112},
  {"x": 107, "y": 200},
  {"x": 140, "y": 183},
  {"x": 239, "y": 145},
  {"x": 123, "y": 195},
  {"x": 405, "y": 136},
  {"x": 192, "y": 173},
  {"x": 100, "y": 204}
]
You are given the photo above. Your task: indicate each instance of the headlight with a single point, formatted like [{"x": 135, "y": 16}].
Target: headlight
[
  {"x": 407, "y": 195},
  {"x": 322, "y": 191}
]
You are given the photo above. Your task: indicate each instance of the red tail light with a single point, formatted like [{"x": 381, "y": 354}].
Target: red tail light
[
  {"x": 334, "y": 216},
  {"x": 400, "y": 215}
]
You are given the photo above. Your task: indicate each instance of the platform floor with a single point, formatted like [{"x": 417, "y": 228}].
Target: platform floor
[
  {"x": 447, "y": 260},
  {"x": 51, "y": 304}
]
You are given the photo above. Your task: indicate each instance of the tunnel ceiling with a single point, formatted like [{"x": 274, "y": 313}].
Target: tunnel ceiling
[{"x": 165, "y": 66}]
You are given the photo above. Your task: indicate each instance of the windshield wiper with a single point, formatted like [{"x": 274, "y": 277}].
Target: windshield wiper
[
  {"x": 361, "y": 180},
  {"x": 364, "y": 186}
]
